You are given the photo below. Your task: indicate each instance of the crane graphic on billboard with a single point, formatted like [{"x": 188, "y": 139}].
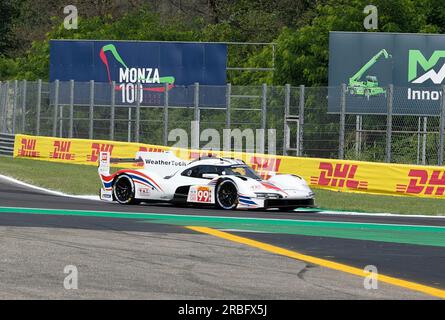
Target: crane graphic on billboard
[{"x": 369, "y": 87}]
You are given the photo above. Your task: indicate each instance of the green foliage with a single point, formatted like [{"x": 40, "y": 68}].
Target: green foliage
[
  {"x": 303, "y": 55},
  {"x": 8, "y": 68},
  {"x": 299, "y": 27},
  {"x": 140, "y": 25}
]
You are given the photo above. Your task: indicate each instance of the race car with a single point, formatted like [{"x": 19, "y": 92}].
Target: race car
[{"x": 224, "y": 183}]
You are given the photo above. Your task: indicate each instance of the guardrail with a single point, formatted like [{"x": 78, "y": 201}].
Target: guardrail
[
  {"x": 337, "y": 175},
  {"x": 7, "y": 144}
]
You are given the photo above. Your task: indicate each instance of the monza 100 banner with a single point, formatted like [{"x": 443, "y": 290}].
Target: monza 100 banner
[
  {"x": 336, "y": 175},
  {"x": 367, "y": 62},
  {"x": 141, "y": 70}
]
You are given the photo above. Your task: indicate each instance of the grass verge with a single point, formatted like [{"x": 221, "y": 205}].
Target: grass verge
[
  {"x": 68, "y": 178},
  {"x": 83, "y": 180}
]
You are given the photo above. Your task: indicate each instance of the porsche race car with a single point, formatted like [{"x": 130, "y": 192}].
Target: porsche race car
[{"x": 224, "y": 183}]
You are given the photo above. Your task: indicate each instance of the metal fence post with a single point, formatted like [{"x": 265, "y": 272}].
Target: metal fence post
[
  {"x": 341, "y": 143},
  {"x": 24, "y": 87},
  {"x": 71, "y": 111},
  {"x": 138, "y": 111},
  {"x": 129, "y": 126},
  {"x": 2, "y": 106},
  {"x": 226, "y": 131},
  {"x": 263, "y": 117},
  {"x": 418, "y": 140},
  {"x": 301, "y": 122},
  {"x": 113, "y": 109},
  {"x": 197, "y": 118},
  {"x": 14, "y": 105},
  {"x": 358, "y": 135},
  {"x": 39, "y": 104},
  {"x": 3, "y": 94},
  {"x": 56, "y": 107},
  {"x": 441, "y": 128},
  {"x": 5, "y": 118},
  {"x": 389, "y": 123},
  {"x": 228, "y": 95},
  {"x": 4, "y": 102},
  {"x": 357, "y": 138},
  {"x": 165, "y": 133},
  {"x": 425, "y": 132},
  {"x": 91, "y": 112},
  {"x": 61, "y": 121},
  {"x": 286, "y": 130}
]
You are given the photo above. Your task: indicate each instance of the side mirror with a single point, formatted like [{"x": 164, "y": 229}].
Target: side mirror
[{"x": 210, "y": 175}]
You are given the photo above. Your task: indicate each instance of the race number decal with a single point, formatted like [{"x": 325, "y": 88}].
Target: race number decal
[{"x": 201, "y": 194}]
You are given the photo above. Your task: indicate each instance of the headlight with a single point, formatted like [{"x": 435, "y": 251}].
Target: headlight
[{"x": 265, "y": 195}]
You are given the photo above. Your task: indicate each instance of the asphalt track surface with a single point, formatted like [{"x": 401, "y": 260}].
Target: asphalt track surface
[{"x": 145, "y": 259}]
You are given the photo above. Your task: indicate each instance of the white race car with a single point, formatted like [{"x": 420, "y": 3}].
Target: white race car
[{"x": 220, "y": 182}]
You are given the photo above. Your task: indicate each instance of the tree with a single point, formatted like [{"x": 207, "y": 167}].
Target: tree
[
  {"x": 303, "y": 54},
  {"x": 8, "y": 11},
  {"x": 299, "y": 27}
]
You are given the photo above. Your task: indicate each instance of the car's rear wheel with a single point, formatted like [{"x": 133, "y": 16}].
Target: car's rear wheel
[
  {"x": 123, "y": 190},
  {"x": 226, "y": 195}
]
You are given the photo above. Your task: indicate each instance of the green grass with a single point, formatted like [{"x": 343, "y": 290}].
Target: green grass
[
  {"x": 68, "y": 178},
  {"x": 373, "y": 203},
  {"x": 83, "y": 179}
]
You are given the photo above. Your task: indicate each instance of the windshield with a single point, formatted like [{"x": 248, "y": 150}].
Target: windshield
[{"x": 240, "y": 170}]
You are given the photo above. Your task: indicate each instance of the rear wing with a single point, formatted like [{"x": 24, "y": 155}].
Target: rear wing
[
  {"x": 105, "y": 161},
  {"x": 162, "y": 163}
]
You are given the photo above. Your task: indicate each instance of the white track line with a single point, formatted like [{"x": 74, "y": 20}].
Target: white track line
[
  {"x": 346, "y": 213},
  {"x": 324, "y": 212},
  {"x": 56, "y": 193}
]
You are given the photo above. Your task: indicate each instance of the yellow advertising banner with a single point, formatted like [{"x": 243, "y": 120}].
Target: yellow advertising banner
[{"x": 337, "y": 175}]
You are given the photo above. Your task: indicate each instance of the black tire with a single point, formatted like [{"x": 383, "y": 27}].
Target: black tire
[
  {"x": 226, "y": 195},
  {"x": 123, "y": 190}
]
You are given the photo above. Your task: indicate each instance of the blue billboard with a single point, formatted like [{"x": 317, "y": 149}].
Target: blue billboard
[{"x": 150, "y": 67}]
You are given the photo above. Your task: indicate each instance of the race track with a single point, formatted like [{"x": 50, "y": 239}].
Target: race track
[{"x": 150, "y": 251}]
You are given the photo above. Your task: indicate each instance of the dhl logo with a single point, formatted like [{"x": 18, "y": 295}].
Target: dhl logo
[
  {"x": 342, "y": 175},
  {"x": 422, "y": 182},
  {"x": 265, "y": 166},
  {"x": 62, "y": 151},
  {"x": 146, "y": 149},
  {"x": 28, "y": 148},
  {"x": 96, "y": 148}
]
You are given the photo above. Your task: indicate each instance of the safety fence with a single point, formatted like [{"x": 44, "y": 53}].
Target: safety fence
[
  {"x": 338, "y": 175},
  {"x": 321, "y": 122}
]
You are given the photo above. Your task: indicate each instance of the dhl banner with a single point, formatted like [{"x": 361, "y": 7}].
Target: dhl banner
[{"x": 337, "y": 175}]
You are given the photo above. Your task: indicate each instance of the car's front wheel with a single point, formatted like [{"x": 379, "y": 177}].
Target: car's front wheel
[
  {"x": 226, "y": 195},
  {"x": 123, "y": 190}
]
